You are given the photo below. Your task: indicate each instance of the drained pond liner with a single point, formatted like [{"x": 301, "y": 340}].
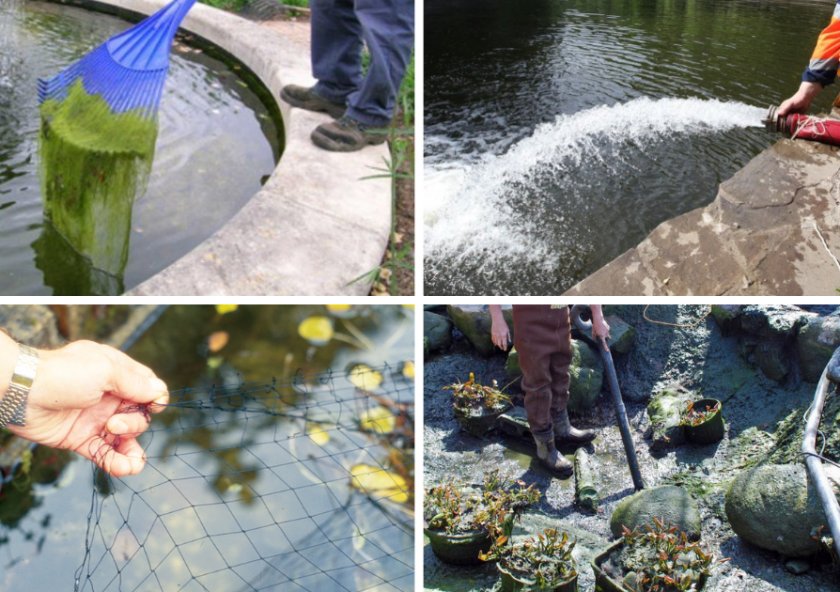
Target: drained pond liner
[{"x": 93, "y": 164}]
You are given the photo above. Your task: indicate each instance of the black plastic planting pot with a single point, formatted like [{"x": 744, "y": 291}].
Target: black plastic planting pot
[
  {"x": 459, "y": 549},
  {"x": 711, "y": 430},
  {"x": 603, "y": 582},
  {"x": 481, "y": 423},
  {"x": 515, "y": 583},
  {"x": 606, "y": 583}
]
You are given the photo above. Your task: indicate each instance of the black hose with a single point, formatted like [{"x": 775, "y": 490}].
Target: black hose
[{"x": 618, "y": 401}]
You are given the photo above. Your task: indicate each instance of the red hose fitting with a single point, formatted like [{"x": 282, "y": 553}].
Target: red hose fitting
[{"x": 804, "y": 127}]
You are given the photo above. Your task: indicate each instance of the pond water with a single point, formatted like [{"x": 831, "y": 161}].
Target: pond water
[
  {"x": 559, "y": 136},
  {"x": 214, "y": 476},
  {"x": 216, "y": 143}
]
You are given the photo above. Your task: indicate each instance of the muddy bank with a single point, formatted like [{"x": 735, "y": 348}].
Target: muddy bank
[{"x": 759, "y": 413}]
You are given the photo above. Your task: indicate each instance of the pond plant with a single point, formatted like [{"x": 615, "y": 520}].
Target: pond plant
[
  {"x": 655, "y": 558},
  {"x": 463, "y": 522},
  {"x": 703, "y": 421},
  {"x": 543, "y": 562},
  {"x": 477, "y": 406}
]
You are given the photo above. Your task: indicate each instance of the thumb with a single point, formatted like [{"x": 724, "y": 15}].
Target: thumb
[{"x": 135, "y": 382}]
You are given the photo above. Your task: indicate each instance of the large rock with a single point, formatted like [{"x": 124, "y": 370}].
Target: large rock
[
  {"x": 780, "y": 321},
  {"x": 437, "y": 332},
  {"x": 816, "y": 341},
  {"x": 664, "y": 411},
  {"x": 671, "y": 504},
  {"x": 474, "y": 322},
  {"x": 759, "y": 236},
  {"x": 586, "y": 374},
  {"x": 775, "y": 507}
]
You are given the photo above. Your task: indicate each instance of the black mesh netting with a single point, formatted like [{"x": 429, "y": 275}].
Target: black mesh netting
[{"x": 298, "y": 486}]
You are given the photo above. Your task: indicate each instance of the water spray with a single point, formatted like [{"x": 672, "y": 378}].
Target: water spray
[{"x": 803, "y": 127}]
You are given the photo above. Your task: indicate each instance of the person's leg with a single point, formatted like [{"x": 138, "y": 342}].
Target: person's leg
[
  {"x": 533, "y": 333},
  {"x": 388, "y": 30},
  {"x": 561, "y": 359},
  {"x": 336, "y": 35}
]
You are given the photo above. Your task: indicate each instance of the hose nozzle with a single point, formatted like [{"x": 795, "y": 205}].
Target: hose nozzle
[{"x": 771, "y": 120}]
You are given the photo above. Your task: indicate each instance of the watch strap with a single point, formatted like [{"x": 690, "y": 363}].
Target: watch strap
[{"x": 13, "y": 403}]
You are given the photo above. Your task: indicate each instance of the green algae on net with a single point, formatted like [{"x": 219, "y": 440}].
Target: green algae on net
[{"x": 93, "y": 164}]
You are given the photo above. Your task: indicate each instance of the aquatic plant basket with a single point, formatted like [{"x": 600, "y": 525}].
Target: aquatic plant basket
[
  {"x": 605, "y": 582},
  {"x": 478, "y": 425},
  {"x": 513, "y": 583},
  {"x": 459, "y": 549},
  {"x": 711, "y": 430}
]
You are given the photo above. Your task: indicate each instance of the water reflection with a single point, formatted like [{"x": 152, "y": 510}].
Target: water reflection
[{"x": 253, "y": 483}]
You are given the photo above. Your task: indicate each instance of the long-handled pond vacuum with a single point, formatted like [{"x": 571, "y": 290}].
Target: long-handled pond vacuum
[{"x": 578, "y": 311}]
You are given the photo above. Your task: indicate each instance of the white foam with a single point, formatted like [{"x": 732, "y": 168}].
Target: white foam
[{"x": 467, "y": 215}]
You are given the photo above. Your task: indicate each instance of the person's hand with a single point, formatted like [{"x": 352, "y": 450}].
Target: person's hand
[
  {"x": 800, "y": 101},
  {"x": 500, "y": 334},
  {"x": 600, "y": 329},
  {"x": 94, "y": 400}
]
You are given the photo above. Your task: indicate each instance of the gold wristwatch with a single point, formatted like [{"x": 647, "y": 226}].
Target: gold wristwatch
[{"x": 13, "y": 403}]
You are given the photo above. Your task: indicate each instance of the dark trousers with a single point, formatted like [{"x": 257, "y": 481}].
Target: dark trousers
[
  {"x": 338, "y": 29},
  {"x": 543, "y": 337}
]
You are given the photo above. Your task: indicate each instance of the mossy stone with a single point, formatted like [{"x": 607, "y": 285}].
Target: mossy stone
[
  {"x": 775, "y": 507},
  {"x": 437, "y": 331},
  {"x": 670, "y": 503}
]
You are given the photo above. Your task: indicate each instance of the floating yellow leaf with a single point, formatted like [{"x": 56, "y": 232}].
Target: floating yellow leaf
[
  {"x": 339, "y": 307},
  {"x": 364, "y": 377},
  {"x": 318, "y": 433},
  {"x": 379, "y": 483},
  {"x": 379, "y": 420},
  {"x": 217, "y": 341},
  {"x": 226, "y": 308},
  {"x": 214, "y": 362},
  {"x": 408, "y": 306},
  {"x": 316, "y": 330},
  {"x": 408, "y": 369}
]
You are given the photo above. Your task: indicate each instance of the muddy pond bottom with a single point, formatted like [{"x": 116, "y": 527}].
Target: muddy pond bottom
[{"x": 216, "y": 144}]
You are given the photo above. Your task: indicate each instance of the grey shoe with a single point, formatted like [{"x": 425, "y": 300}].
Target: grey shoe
[
  {"x": 347, "y": 135},
  {"x": 564, "y": 431},
  {"x": 306, "y": 98},
  {"x": 550, "y": 458}
]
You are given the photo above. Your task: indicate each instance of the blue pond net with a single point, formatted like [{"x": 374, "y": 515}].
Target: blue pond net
[{"x": 299, "y": 486}]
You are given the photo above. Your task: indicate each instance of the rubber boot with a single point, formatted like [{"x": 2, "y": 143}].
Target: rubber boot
[
  {"x": 549, "y": 457},
  {"x": 565, "y": 432}
]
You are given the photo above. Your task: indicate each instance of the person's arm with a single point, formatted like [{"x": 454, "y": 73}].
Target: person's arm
[
  {"x": 499, "y": 330},
  {"x": 86, "y": 397},
  {"x": 821, "y": 70},
  {"x": 600, "y": 328}
]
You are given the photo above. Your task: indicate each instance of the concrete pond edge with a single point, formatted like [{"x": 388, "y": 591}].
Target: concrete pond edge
[{"x": 316, "y": 224}]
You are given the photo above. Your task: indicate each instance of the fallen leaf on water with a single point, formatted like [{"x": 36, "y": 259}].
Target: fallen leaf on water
[
  {"x": 364, "y": 377},
  {"x": 339, "y": 307},
  {"x": 408, "y": 369},
  {"x": 379, "y": 420},
  {"x": 318, "y": 433},
  {"x": 226, "y": 308},
  {"x": 214, "y": 362},
  {"x": 378, "y": 482},
  {"x": 217, "y": 341},
  {"x": 317, "y": 330}
]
